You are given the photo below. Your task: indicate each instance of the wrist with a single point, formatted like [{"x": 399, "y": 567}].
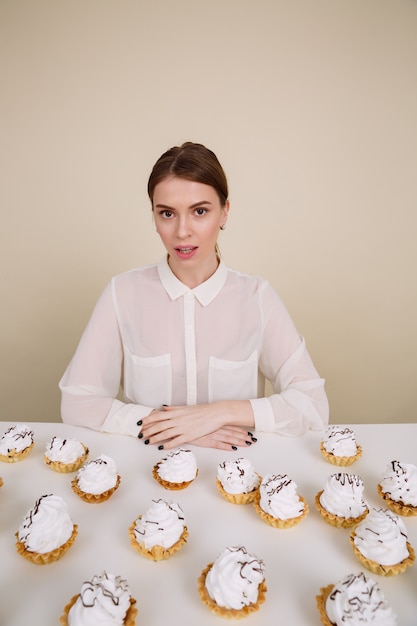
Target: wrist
[{"x": 238, "y": 413}]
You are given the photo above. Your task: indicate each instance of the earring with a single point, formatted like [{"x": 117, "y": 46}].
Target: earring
[{"x": 223, "y": 227}]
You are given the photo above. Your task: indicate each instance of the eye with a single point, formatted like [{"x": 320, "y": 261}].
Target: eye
[
  {"x": 166, "y": 213},
  {"x": 200, "y": 211}
]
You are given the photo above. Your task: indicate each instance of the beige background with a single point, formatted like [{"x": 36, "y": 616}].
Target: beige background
[{"x": 310, "y": 106}]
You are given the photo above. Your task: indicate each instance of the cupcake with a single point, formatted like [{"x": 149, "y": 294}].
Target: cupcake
[
  {"x": 339, "y": 446},
  {"x": 65, "y": 455},
  {"x": 237, "y": 481},
  {"x": 176, "y": 470},
  {"x": 278, "y": 503},
  {"x": 355, "y": 599},
  {"x": 97, "y": 480},
  {"x": 398, "y": 487},
  {"x": 341, "y": 501},
  {"x": 380, "y": 543},
  {"x": 160, "y": 532},
  {"x": 16, "y": 443},
  {"x": 234, "y": 585},
  {"x": 46, "y": 532},
  {"x": 104, "y": 599}
]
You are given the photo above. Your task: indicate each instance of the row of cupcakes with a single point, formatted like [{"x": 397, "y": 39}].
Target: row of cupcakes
[
  {"x": 205, "y": 590},
  {"x": 232, "y": 587}
]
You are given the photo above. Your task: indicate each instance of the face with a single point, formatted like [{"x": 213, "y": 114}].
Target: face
[{"x": 188, "y": 217}]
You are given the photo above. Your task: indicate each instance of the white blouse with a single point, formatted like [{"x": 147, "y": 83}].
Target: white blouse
[{"x": 151, "y": 340}]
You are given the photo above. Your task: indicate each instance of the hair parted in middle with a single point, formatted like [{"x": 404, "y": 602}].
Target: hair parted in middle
[{"x": 191, "y": 161}]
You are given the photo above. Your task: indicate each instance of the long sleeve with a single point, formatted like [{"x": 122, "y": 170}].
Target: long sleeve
[
  {"x": 91, "y": 383},
  {"x": 299, "y": 401}
]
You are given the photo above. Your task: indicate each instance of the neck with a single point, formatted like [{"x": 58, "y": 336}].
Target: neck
[{"x": 194, "y": 276}]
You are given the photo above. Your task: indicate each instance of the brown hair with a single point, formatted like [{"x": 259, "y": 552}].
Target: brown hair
[{"x": 191, "y": 161}]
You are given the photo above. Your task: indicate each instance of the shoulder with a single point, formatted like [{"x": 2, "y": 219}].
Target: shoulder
[
  {"x": 256, "y": 289},
  {"x": 250, "y": 282},
  {"x": 132, "y": 283},
  {"x": 135, "y": 276}
]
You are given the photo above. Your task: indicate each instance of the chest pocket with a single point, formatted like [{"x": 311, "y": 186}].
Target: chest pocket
[
  {"x": 233, "y": 380},
  {"x": 147, "y": 380}
]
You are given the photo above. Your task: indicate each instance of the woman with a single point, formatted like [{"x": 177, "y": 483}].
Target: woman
[{"x": 190, "y": 341}]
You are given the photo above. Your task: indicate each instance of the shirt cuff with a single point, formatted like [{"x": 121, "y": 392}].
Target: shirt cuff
[
  {"x": 122, "y": 418},
  {"x": 263, "y": 414}
]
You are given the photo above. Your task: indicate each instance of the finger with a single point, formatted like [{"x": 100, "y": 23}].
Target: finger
[
  {"x": 240, "y": 437},
  {"x": 218, "y": 444},
  {"x": 157, "y": 432}
]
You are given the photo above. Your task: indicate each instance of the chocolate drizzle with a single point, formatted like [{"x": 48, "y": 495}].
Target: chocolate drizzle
[
  {"x": 175, "y": 509},
  {"x": 29, "y": 519},
  {"x": 92, "y": 590},
  {"x": 364, "y": 603},
  {"x": 255, "y": 564},
  {"x": 17, "y": 435},
  {"x": 351, "y": 479},
  {"x": 281, "y": 480},
  {"x": 340, "y": 433}
]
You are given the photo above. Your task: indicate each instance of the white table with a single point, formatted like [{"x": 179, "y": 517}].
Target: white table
[{"x": 298, "y": 561}]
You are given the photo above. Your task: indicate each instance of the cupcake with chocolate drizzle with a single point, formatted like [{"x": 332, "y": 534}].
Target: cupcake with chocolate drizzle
[
  {"x": 341, "y": 501},
  {"x": 160, "y": 532},
  {"x": 65, "y": 455},
  {"x": 398, "y": 487},
  {"x": 354, "y": 599},
  {"x": 96, "y": 480},
  {"x": 380, "y": 543},
  {"x": 278, "y": 502},
  {"x": 16, "y": 443},
  {"x": 104, "y": 599},
  {"x": 233, "y": 586},
  {"x": 237, "y": 481},
  {"x": 339, "y": 446},
  {"x": 47, "y": 531},
  {"x": 176, "y": 470}
]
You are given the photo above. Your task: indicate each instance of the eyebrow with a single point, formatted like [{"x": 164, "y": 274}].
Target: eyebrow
[{"x": 192, "y": 206}]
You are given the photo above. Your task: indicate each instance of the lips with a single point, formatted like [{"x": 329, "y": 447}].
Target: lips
[{"x": 185, "y": 252}]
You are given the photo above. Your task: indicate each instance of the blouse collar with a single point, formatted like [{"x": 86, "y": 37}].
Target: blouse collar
[{"x": 205, "y": 292}]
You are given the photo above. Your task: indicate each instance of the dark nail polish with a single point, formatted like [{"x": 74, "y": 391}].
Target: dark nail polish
[
  {"x": 254, "y": 439},
  {"x": 139, "y": 423},
  {"x": 161, "y": 447},
  {"x": 248, "y": 443},
  {"x": 140, "y": 435},
  {"x": 164, "y": 405},
  {"x": 250, "y": 434},
  {"x": 146, "y": 442},
  {"x": 234, "y": 448}
]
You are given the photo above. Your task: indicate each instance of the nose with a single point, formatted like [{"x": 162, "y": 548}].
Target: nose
[{"x": 183, "y": 227}]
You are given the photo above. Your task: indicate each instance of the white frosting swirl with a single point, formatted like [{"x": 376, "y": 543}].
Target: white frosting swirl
[
  {"x": 104, "y": 600},
  {"x": 178, "y": 466},
  {"x": 340, "y": 441},
  {"x": 17, "y": 437},
  {"x": 98, "y": 475},
  {"x": 46, "y": 526},
  {"x": 279, "y": 497},
  {"x": 237, "y": 476},
  {"x": 64, "y": 450},
  {"x": 400, "y": 482},
  {"x": 357, "y": 600},
  {"x": 382, "y": 537},
  {"x": 234, "y": 578},
  {"x": 162, "y": 525},
  {"x": 343, "y": 495}
]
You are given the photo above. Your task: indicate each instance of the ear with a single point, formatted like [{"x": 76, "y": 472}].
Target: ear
[{"x": 226, "y": 210}]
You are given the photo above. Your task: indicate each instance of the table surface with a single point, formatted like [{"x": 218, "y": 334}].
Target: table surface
[{"x": 298, "y": 561}]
